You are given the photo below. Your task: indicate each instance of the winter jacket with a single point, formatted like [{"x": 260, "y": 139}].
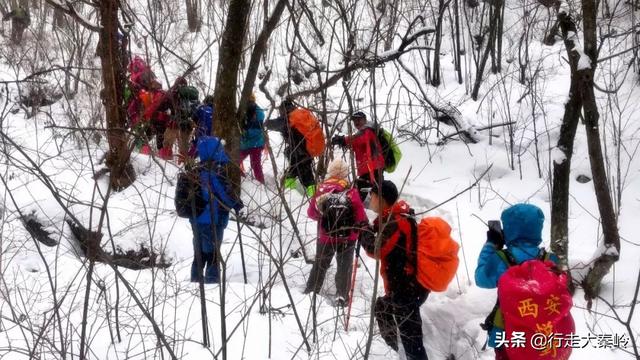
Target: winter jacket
[
  {"x": 252, "y": 136},
  {"x": 204, "y": 121},
  {"x": 156, "y": 111},
  {"x": 331, "y": 186},
  {"x": 395, "y": 261},
  {"x": 367, "y": 150},
  {"x": 522, "y": 229},
  {"x": 212, "y": 158}
]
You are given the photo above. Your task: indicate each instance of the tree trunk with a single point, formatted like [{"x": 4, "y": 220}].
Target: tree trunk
[
  {"x": 194, "y": 20},
  {"x": 113, "y": 77},
  {"x": 259, "y": 49},
  {"x": 611, "y": 251},
  {"x": 226, "y": 125},
  {"x": 435, "y": 75}
]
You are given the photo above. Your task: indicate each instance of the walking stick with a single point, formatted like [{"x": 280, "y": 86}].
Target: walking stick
[
  {"x": 244, "y": 269},
  {"x": 353, "y": 282}
]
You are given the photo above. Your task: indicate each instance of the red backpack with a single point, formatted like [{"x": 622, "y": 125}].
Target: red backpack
[
  {"x": 307, "y": 124},
  {"x": 534, "y": 299}
]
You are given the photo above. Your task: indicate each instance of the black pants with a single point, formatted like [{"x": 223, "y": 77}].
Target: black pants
[
  {"x": 393, "y": 316},
  {"x": 301, "y": 167},
  {"x": 344, "y": 258},
  {"x": 363, "y": 183}
]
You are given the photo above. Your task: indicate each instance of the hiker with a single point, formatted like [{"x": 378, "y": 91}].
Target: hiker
[
  {"x": 204, "y": 118},
  {"x": 522, "y": 235},
  {"x": 337, "y": 208},
  {"x": 303, "y": 139},
  {"x": 208, "y": 227},
  {"x": 399, "y": 309},
  {"x": 20, "y": 21},
  {"x": 146, "y": 123},
  {"x": 181, "y": 101},
  {"x": 252, "y": 140},
  {"x": 370, "y": 161},
  {"x": 184, "y": 104}
]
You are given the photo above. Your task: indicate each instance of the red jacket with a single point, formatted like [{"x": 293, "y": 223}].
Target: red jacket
[
  {"x": 367, "y": 149},
  {"x": 334, "y": 185}
]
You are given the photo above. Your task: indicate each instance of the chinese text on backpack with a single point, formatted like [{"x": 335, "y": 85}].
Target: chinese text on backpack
[
  {"x": 337, "y": 215},
  {"x": 390, "y": 150},
  {"x": 534, "y": 299},
  {"x": 307, "y": 124},
  {"x": 189, "y": 200},
  {"x": 436, "y": 254},
  {"x": 187, "y": 104}
]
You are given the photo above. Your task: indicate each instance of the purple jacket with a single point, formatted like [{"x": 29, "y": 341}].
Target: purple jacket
[{"x": 334, "y": 185}]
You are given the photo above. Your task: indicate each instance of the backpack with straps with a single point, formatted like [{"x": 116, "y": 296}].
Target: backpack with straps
[
  {"x": 307, "y": 124},
  {"x": 186, "y": 106},
  {"x": 534, "y": 299},
  {"x": 435, "y": 253},
  {"x": 390, "y": 150},
  {"x": 189, "y": 198},
  {"x": 337, "y": 214}
]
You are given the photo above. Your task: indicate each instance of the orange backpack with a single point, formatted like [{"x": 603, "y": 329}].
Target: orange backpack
[
  {"x": 307, "y": 124},
  {"x": 436, "y": 254}
]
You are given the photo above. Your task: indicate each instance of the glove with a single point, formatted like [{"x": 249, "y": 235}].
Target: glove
[
  {"x": 496, "y": 238},
  {"x": 339, "y": 141},
  {"x": 239, "y": 205}
]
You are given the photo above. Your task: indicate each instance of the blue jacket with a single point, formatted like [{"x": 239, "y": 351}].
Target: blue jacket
[
  {"x": 212, "y": 156},
  {"x": 522, "y": 229},
  {"x": 252, "y": 136},
  {"x": 204, "y": 120}
]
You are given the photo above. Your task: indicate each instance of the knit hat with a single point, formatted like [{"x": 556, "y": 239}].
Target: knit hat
[
  {"x": 389, "y": 191},
  {"x": 338, "y": 169}
]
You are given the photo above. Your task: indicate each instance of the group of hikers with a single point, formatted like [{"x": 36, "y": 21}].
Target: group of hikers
[{"x": 417, "y": 256}]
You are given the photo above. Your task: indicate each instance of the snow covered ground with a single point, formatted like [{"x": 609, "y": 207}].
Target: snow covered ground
[{"x": 264, "y": 325}]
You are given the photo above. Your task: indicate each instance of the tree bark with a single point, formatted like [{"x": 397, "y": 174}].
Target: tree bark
[
  {"x": 611, "y": 251},
  {"x": 194, "y": 20},
  {"x": 113, "y": 77},
  {"x": 226, "y": 125}
]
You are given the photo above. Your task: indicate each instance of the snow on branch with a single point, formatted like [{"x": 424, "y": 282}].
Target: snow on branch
[{"x": 67, "y": 8}]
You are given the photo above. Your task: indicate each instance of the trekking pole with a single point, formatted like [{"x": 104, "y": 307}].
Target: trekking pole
[
  {"x": 353, "y": 282},
  {"x": 244, "y": 269}
]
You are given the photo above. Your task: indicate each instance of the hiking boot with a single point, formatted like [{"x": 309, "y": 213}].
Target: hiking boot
[
  {"x": 290, "y": 183},
  {"x": 340, "y": 302},
  {"x": 311, "y": 190}
]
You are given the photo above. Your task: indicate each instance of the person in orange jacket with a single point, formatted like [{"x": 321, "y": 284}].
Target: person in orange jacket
[{"x": 398, "y": 311}]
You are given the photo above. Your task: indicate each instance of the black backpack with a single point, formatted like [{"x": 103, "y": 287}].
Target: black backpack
[
  {"x": 189, "y": 199},
  {"x": 186, "y": 106},
  {"x": 337, "y": 215}
]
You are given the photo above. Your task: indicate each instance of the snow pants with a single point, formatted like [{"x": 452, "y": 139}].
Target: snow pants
[
  {"x": 403, "y": 316},
  {"x": 255, "y": 156},
  {"x": 344, "y": 258},
  {"x": 301, "y": 167},
  {"x": 204, "y": 252}
]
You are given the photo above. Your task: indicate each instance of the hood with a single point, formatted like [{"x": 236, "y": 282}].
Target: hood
[
  {"x": 522, "y": 225},
  {"x": 399, "y": 208},
  {"x": 210, "y": 148}
]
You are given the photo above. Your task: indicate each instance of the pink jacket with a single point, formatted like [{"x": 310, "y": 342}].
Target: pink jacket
[{"x": 334, "y": 185}]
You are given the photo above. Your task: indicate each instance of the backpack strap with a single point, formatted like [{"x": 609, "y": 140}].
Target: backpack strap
[{"x": 507, "y": 257}]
